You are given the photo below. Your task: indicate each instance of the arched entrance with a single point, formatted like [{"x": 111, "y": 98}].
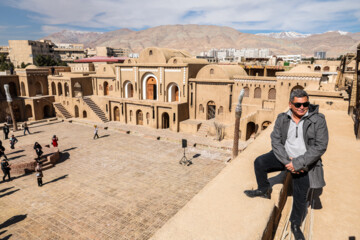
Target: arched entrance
[
  {"x": 106, "y": 88},
  {"x": 28, "y": 111},
  {"x": 250, "y": 130},
  {"x": 78, "y": 90},
  {"x": 23, "y": 92},
  {"x": 60, "y": 89},
  {"x": 151, "y": 90},
  {"x": 173, "y": 93},
  {"x": 317, "y": 68},
  {"x": 47, "y": 111},
  {"x": 116, "y": 114},
  {"x": 257, "y": 92},
  {"x": 211, "y": 110},
  {"x": 17, "y": 114},
  {"x": 12, "y": 89},
  {"x": 139, "y": 117},
  {"x": 53, "y": 88},
  {"x": 246, "y": 92},
  {"x": 76, "y": 111},
  {"x": 38, "y": 88},
  {"x": 265, "y": 124},
  {"x": 84, "y": 114},
  {"x": 165, "y": 120}
]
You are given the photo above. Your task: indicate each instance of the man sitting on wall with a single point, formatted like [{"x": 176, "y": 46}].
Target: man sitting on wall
[{"x": 299, "y": 139}]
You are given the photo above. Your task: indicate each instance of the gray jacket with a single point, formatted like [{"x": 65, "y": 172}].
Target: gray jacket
[{"x": 316, "y": 139}]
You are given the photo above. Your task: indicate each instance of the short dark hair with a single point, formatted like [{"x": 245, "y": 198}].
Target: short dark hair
[{"x": 298, "y": 93}]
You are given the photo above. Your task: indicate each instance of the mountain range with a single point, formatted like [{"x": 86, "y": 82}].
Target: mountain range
[{"x": 198, "y": 38}]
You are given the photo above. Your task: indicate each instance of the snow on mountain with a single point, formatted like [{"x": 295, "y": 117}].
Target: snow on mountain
[
  {"x": 284, "y": 35},
  {"x": 340, "y": 32}
]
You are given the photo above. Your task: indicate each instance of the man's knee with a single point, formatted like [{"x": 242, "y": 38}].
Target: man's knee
[{"x": 259, "y": 162}]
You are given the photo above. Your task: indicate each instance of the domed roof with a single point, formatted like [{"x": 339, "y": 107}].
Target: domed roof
[{"x": 32, "y": 66}]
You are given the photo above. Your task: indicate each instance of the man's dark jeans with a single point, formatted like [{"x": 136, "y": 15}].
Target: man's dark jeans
[{"x": 267, "y": 163}]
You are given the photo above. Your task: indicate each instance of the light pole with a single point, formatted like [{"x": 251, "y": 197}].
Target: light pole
[
  {"x": 238, "y": 112},
  {"x": 9, "y": 100}
]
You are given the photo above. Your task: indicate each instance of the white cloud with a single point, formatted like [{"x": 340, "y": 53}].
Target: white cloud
[{"x": 292, "y": 15}]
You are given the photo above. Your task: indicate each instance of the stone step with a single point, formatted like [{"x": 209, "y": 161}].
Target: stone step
[
  {"x": 62, "y": 110},
  {"x": 95, "y": 108}
]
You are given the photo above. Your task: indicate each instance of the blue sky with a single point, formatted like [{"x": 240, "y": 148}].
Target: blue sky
[{"x": 33, "y": 19}]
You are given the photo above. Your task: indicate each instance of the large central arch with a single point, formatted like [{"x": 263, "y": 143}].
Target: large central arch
[{"x": 150, "y": 84}]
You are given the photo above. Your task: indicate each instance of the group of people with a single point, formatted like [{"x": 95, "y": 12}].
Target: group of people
[{"x": 5, "y": 166}]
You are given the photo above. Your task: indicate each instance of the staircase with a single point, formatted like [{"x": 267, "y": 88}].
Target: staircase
[
  {"x": 95, "y": 109},
  {"x": 204, "y": 128},
  {"x": 62, "y": 110}
]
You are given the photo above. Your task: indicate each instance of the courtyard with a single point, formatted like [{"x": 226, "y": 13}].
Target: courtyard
[{"x": 120, "y": 186}]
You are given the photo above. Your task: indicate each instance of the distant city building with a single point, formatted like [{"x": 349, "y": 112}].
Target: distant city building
[
  {"x": 235, "y": 55},
  {"x": 290, "y": 58},
  {"x": 320, "y": 55},
  {"x": 25, "y": 51},
  {"x": 68, "y": 52}
]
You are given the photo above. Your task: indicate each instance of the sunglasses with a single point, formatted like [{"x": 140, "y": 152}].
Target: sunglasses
[{"x": 298, "y": 105}]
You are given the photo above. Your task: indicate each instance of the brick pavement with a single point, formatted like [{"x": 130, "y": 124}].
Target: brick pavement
[{"x": 117, "y": 187}]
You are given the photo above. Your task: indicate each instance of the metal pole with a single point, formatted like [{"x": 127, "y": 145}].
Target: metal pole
[
  {"x": 238, "y": 112},
  {"x": 357, "y": 103},
  {"x": 9, "y": 100}
]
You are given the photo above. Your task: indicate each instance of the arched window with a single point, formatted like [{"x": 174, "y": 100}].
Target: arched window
[
  {"x": 53, "y": 88},
  {"x": 129, "y": 90},
  {"x": 175, "y": 61},
  {"x": 130, "y": 115},
  {"x": 23, "y": 92},
  {"x": 221, "y": 110},
  {"x": 211, "y": 71},
  {"x": 84, "y": 114},
  {"x": 201, "y": 108},
  {"x": 150, "y": 52},
  {"x": 106, "y": 88},
  {"x": 247, "y": 92},
  {"x": 38, "y": 88},
  {"x": 326, "y": 69},
  {"x": 116, "y": 114},
  {"x": 317, "y": 68},
  {"x": 147, "y": 118},
  {"x": 60, "y": 89},
  {"x": 257, "y": 92},
  {"x": 76, "y": 111},
  {"x": 272, "y": 94}
]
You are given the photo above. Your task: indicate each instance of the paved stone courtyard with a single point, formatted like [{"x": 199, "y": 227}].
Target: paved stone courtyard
[{"x": 117, "y": 187}]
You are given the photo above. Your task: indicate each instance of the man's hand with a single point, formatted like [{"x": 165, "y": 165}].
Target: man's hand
[{"x": 290, "y": 167}]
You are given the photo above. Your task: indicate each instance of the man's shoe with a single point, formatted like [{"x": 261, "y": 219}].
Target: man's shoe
[
  {"x": 295, "y": 229},
  {"x": 259, "y": 193}
]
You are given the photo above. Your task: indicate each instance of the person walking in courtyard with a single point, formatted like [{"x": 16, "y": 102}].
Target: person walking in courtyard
[
  {"x": 54, "y": 141},
  {"x": 5, "y": 167},
  {"x": 96, "y": 132},
  {"x": 6, "y": 131},
  {"x": 26, "y": 128},
  {"x": 2, "y": 151},
  {"x": 38, "y": 150},
  {"x": 13, "y": 140},
  {"x": 299, "y": 139},
  {"x": 39, "y": 174}
]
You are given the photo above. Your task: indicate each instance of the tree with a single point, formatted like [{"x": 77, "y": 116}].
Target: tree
[
  {"x": 312, "y": 60},
  {"x": 23, "y": 65},
  {"x": 41, "y": 60},
  {"x": 4, "y": 64}
]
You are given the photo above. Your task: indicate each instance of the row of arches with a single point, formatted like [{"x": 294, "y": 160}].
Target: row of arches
[
  {"x": 149, "y": 89},
  {"x": 257, "y": 93},
  {"x": 47, "y": 112},
  {"x": 77, "y": 113},
  {"x": 59, "y": 89}
]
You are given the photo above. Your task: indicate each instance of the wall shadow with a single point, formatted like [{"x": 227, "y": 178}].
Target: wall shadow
[
  {"x": 5, "y": 189},
  {"x": 13, "y": 220},
  {"x": 63, "y": 157}
]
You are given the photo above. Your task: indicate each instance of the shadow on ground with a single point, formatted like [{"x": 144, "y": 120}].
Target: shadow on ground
[
  {"x": 56, "y": 179},
  {"x": 13, "y": 220},
  {"x": 9, "y": 193}
]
